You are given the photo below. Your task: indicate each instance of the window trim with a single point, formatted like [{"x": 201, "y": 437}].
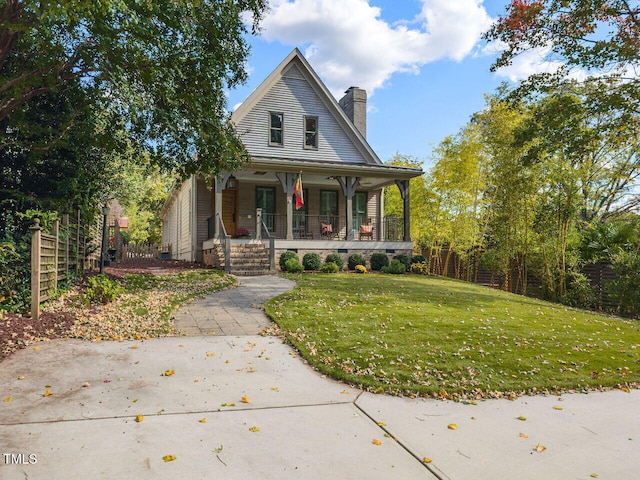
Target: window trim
[
  {"x": 281, "y": 129},
  {"x": 305, "y": 131}
]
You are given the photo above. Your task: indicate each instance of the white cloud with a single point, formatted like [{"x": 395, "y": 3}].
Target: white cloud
[
  {"x": 349, "y": 43},
  {"x": 533, "y": 61}
]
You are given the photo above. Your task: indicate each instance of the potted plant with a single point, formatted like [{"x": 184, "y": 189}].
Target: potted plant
[{"x": 241, "y": 232}]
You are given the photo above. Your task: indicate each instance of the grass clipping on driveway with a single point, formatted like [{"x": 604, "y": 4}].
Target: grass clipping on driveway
[
  {"x": 145, "y": 310},
  {"x": 438, "y": 337}
]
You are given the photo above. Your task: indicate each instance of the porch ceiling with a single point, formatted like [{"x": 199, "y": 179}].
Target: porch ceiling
[{"x": 372, "y": 177}]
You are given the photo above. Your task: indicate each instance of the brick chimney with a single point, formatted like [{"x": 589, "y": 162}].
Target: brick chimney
[{"x": 354, "y": 104}]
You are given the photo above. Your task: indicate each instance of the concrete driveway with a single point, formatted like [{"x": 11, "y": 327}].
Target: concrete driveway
[{"x": 247, "y": 407}]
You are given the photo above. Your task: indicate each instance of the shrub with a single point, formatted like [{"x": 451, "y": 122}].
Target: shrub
[
  {"x": 311, "y": 261},
  {"x": 15, "y": 279},
  {"x": 418, "y": 259},
  {"x": 361, "y": 269},
  {"x": 406, "y": 261},
  {"x": 378, "y": 261},
  {"x": 625, "y": 288},
  {"x": 293, "y": 266},
  {"x": 397, "y": 266},
  {"x": 385, "y": 269},
  {"x": 420, "y": 268},
  {"x": 330, "y": 267},
  {"x": 285, "y": 256},
  {"x": 335, "y": 258},
  {"x": 102, "y": 289},
  {"x": 356, "y": 259}
]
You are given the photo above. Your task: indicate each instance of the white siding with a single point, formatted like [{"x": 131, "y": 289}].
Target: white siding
[{"x": 293, "y": 96}]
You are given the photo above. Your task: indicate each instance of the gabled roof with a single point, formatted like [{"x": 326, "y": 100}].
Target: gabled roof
[{"x": 296, "y": 58}]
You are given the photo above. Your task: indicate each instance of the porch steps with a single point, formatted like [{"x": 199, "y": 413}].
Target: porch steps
[{"x": 246, "y": 259}]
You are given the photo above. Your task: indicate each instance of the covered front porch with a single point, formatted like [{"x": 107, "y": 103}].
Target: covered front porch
[{"x": 342, "y": 202}]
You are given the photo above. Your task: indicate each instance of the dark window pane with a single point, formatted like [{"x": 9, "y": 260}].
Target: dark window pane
[{"x": 276, "y": 136}]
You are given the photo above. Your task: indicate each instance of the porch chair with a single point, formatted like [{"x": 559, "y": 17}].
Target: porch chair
[
  {"x": 366, "y": 229},
  {"x": 326, "y": 230}
]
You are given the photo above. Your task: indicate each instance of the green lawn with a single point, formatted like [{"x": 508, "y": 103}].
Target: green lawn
[{"x": 410, "y": 334}]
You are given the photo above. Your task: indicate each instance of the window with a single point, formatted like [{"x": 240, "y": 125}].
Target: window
[
  {"x": 359, "y": 204},
  {"x": 266, "y": 200},
  {"x": 311, "y": 132},
  {"x": 276, "y": 129},
  {"x": 328, "y": 203}
]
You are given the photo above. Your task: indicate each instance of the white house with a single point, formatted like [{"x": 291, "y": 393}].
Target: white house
[{"x": 293, "y": 129}]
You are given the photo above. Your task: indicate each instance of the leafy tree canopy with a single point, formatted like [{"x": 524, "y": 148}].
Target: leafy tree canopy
[
  {"x": 160, "y": 67},
  {"x": 601, "y": 38}
]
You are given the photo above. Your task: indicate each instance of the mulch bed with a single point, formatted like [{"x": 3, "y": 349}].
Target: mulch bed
[{"x": 18, "y": 331}]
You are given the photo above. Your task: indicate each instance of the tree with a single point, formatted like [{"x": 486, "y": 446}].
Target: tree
[
  {"x": 161, "y": 67},
  {"x": 601, "y": 38},
  {"x": 456, "y": 183}
]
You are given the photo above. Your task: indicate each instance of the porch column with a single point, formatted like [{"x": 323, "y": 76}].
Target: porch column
[
  {"x": 403, "y": 186},
  {"x": 349, "y": 185},
  {"x": 221, "y": 183},
  {"x": 288, "y": 181}
]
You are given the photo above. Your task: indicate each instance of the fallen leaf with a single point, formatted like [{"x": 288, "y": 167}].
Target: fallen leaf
[
  {"x": 48, "y": 385},
  {"x": 382, "y": 424},
  {"x": 375, "y": 441},
  {"x": 254, "y": 429},
  {"x": 275, "y": 389},
  {"x": 139, "y": 418},
  {"x": 36, "y": 348},
  {"x": 523, "y": 435},
  {"x": 452, "y": 426},
  {"x": 86, "y": 384},
  {"x": 594, "y": 475},
  {"x": 21, "y": 377},
  {"x": 168, "y": 373},
  {"x": 7, "y": 400},
  {"x": 228, "y": 405},
  {"x": 196, "y": 381},
  {"x": 557, "y": 407},
  {"x": 344, "y": 392},
  {"x": 625, "y": 389},
  {"x": 169, "y": 458},
  {"x": 521, "y": 418},
  {"x": 227, "y": 361},
  {"x": 47, "y": 393},
  {"x": 540, "y": 448},
  {"x": 211, "y": 354},
  {"x": 427, "y": 460},
  {"x": 218, "y": 450},
  {"x": 203, "y": 420},
  {"x": 245, "y": 399},
  {"x": 133, "y": 347}
]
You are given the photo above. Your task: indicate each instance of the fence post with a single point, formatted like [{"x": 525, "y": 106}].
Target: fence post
[
  {"x": 35, "y": 268},
  {"x": 56, "y": 252},
  {"x": 78, "y": 267},
  {"x": 67, "y": 241},
  {"x": 258, "y": 223}
]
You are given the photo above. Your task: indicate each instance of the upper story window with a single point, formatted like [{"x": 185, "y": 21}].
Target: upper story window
[
  {"x": 276, "y": 129},
  {"x": 311, "y": 132}
]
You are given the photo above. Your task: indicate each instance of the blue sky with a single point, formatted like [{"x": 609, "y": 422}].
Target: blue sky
[{"x": 422, "y": 62}]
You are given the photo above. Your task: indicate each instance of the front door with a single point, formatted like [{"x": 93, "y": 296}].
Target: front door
[{"x": 230, "y": 210}]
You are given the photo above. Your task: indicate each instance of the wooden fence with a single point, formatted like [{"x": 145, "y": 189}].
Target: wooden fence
[
  {"x": 53, "y": 257},
  {"x": 447, "y": 263}
]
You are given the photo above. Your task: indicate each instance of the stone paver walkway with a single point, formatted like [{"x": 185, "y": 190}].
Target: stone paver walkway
[{"x": 235, "y": 311}]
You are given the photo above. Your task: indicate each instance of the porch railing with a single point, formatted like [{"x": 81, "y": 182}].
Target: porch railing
[
  {"x": 225, "y": 241},
  {"x": 334, "y": 227}
]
